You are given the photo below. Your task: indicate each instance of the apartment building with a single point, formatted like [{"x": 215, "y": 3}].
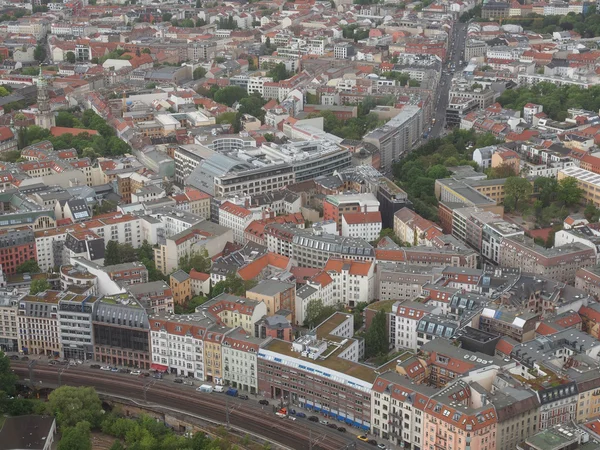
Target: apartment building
[
  {"x": 403, "y": 323},
  {"x": 155, "y": 296},
  {"x": 366, "y": 225},
  {"x": 187, "y": 158},
  {"x": 483, "y": 97},
  {"x": 588, "y": 279},
  {"x": 276, "y": 295},
  {"x": 328, "y": 380},
  {"x": 16, "y": 246},
  {"x": 335, "y": 206},
  {"x": 353, "y": 281},
  {"x": 505, "y": 322},
  {"x": 236, "y": 218},
  {"x": 240, "y": 360},
  {"x": 177, "y": 343},
  {"x": 75, "y": 325},
  {"x": 399, "y": 281},
  {"x": 233, "y": 311},
  {"x": 9, "y": 327},
  {"x": 121, "y": 332},
  {"x": 398, "y": 136},
  {"x": 560, "y": 263},
  {"x": 37, "y": 322}
]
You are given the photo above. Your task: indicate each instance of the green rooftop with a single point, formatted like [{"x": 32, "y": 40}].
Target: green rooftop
[
  {"x": 384, "y": 305},
  {"x": 549, "y": 439}
]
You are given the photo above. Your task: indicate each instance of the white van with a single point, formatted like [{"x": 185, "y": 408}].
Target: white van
[
  {"x": 219, "y": 389},
  {"x": 205, "y": 388}
]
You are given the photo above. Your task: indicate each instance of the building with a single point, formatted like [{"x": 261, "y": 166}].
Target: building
[
  {"x": 240, "y": 360},
  {"x": 9, "y": 329},
  {"x": 335, "y": 206},
  {"x": 298, "y": 373},
  {"x": 398, "y": 136},
  {"x": 233, "y": 311},
  {"x": 181, "y": 287},
  {"x": 237, "y": 218},
  {"x": 404, "y": 322},
  {"x": 276, "y": 295},
  {"x": 588, "y": 181},
  {"x": 560, "y": 263},
  {"x": 588, "y": 279},
  {"x": 504, "y": 322},
  {"x": 75, "y": 325},
  {"x": 28, "y": 432},
  {"x": 155, "y": 296},
  {"x": 366, "y": 225},
  {"x": 276, "y": 327},
  {"x": 400, "y": 281},
  {"x": 121, "y": 332},
  {"x": 38, "y": 325},
  {"x": 45, "y": 116},
  {"x": 17, "y": 246}
]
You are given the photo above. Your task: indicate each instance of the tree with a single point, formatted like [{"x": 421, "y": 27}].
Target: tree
[
  {"x": 376, "y": 338},
  {"x": 199, "y": 72},
  {"x": 569, "y": 192},
  {"x": 39, "y": 285},
  {"x": 8, "y": 379},
  {"x": 39, "y": 53},
  {"x": 517, "y": 188},
  {"x": 279, "y": 73},
  {"x": 199, "y": 261},
  {"x": 502, "y": 171},
  {"x": 230, "y": 94},
  {"x": 147, "y": 51},
  {"x": 29, "y": 266},
  {"x": 76, "y": 438},
  {"x": 591, "y": 213},
  {"x": 72, "y": 405},
  {"x": 546, "y": 189},
  {"x": 228, "y": 117},
  {"x": 111, "y": 254},
  {"x": 232, "y": 285},
  {"x": 70, "y": 57}
]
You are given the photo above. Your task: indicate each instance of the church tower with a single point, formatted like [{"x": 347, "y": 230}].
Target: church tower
[{"x": 45, "y": 117}]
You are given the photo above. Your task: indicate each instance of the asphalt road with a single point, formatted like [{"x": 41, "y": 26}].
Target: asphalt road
[
  {"x": 455, "y": 54},
  {"x": 244, "y": 414}
]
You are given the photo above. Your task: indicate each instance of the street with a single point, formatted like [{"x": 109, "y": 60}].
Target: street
[{"x": 455, "y": 55}]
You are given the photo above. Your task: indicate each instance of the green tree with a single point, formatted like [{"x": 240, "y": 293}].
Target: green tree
[
  {"x": 317, "y": 312},
  {"x": 29, "y": 266},
  {"x": 39, "y": 285},
  {"x": 279, "y": 73},
  {"x": 65, "y": 119},
  {"x": 8, "y": 379},
  {"x": 4, "y": 92},
  {"x": 72, "y": 405},
  {"x": 546, "y": 189},
  {"x": 39, "y": 53},
  {"x": 199, "y": 72},
  {"x": 230, "y": 95},
  {"x": 232, "y": 285},
  {"x": 199, "y": 261},
  {"x": 228, "y": 117},
  {"x": 111, "y": 254},
  {"x": 502, "y": 171},
  {"x": 517, "y": 188},
  {"x": 569, "y": 192},
  {"x": 166, "y": 17},
  {"x": 376, "y": 338},
  {"x": 70, "y": 57},
  {"x": 76, "y": 438},
  {"x": 591, "y": 213}
]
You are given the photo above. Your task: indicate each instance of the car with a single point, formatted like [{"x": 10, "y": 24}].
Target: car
[
  {"x": 95, "y": 366},
  {"x": 243, "y": 397},
  {"x": 372, "y": 442},
  {"x": 381, "y": 446},
  {"x": 14, "y": 357},
  {"x": 280, "y": 414},
  {"x": 363, "y": 438},
  {"x": 178, "y": 381},
  {"x": 301, "y": 415},
  {"x": 124, "y": 370},
  {"x": 72, "y": 362},
  {"x": 291, "y": 418},
  {"x": 313, "y": 418},
  {"x": 332, "y": 425},
  {"x": 107, "y": 368},
  {"x": 145, "y": 374},
  {"x": 79, "y": 362},
  {"x": 264, "y": 402},
  {"x": 341, "y": 429},
  {"x": 114, "y": 369},
  {"x": 188, "y": 382},
  {"x": 136, "y": 372},
  {"x": 323, "y": 422},
  {"x": 292, "y": 412}
]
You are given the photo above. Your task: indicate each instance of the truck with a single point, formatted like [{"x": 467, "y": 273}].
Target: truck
[
  {"x": 232, "y": 392},
  {"x": 219, "y": 389},
  {"x": 205, "y": 388}
]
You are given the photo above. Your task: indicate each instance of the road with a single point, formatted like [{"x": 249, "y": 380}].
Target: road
[
  {"x": 455, "y": 54},
  {"x": 244, "y": 414}
]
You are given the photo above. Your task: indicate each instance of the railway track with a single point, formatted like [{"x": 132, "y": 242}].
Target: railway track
[{"x": 210, "y": 406}]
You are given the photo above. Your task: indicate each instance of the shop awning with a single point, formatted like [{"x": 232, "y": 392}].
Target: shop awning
[{"x": 159, "y": 367}]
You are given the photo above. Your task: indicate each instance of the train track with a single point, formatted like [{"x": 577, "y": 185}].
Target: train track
[{"x": 212, "y": 407}]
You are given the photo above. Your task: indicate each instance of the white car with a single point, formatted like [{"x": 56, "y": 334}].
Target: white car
[
  {"x": 136, "y": 372},
  {"x": 106, "y": 368}
]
